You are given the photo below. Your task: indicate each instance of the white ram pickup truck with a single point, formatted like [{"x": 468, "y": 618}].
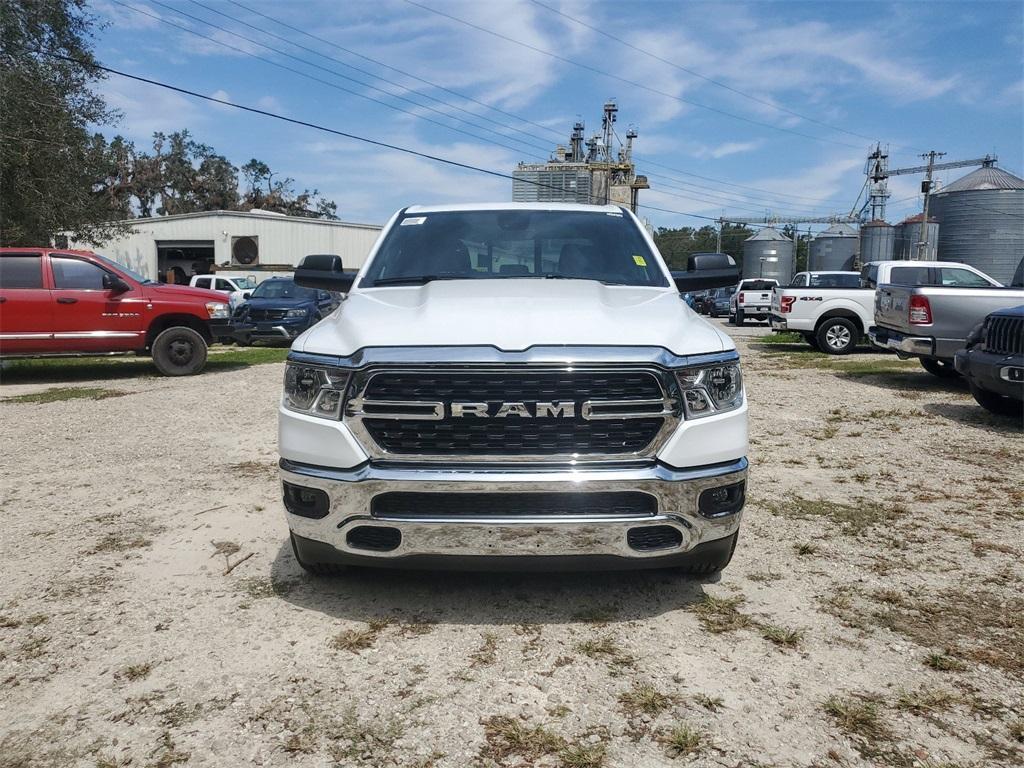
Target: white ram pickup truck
[
  {"x": 752, "y": 299},
  {"x": 829, "y": 309},
  {"x": 514, "y": 385}
]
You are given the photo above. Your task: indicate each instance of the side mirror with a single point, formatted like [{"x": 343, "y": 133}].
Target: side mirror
[
  {"x": 323, "y": 271},
  {"x": 114, "y": 283},
  {"x": 247, "y": 295},
  {"x": 707, "y": 270}
]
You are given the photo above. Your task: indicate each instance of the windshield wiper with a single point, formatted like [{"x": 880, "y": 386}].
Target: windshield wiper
[
  {"x": 416, "y": 279},
  {"x": 595, "y": 279}
]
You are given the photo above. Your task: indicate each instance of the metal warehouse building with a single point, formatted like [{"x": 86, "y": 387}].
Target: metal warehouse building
[{"x": 173, "y": 248}]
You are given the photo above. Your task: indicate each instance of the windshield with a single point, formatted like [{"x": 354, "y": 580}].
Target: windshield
[
  {"x": 282, "y": 289},
  {"x": 476, "y": 245},
  {"x": 757, "y": 285},
  {"x": 836, "y": 280},
  {"x": 130, "y": 272},
  {"x": 244, "y": 283}
]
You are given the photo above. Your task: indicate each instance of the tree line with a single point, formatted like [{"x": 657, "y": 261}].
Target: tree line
[{"x": 58, "y": 174}]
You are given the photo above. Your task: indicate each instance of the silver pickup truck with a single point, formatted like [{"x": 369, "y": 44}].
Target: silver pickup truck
[{"x": 932, "y": 321}]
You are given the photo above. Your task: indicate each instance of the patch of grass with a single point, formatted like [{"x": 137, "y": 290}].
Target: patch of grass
[
  {"x": 60, "y": 394},
  {"x": 682, "y": 740},
  {"x": 805, "y": 549},
  {"x": 55, "y": 370},
  {"x": 926, "y": 700},
  {"x": 852, "y": 519},
  {"x": 1017, "y": 730},
  {"x": 510, "y": 737},
  {"x": 596, "y": 648},
  {"x": 33, "y": 648},
  {"x": 355, "y": 741},
  {"x": 354, "y": 640},
  {"x": 783, "y": 337},
  {"x": 121, "y": 541},
  {"x": 9, "y": 622},
  {"x": 487, "y": 653},
  {"x": 858, "y": 717},
  {"x": 644, "y": 698},
  {"x": 782, "y": 636},
  {"x": 720, "y": 614},
  {"x": 710, "y": 703},
  {"x": 764, "y": 577},
  {"x": 982, "y": 548},
  {"x": 596, "y": 614},
  {"x": 253, "y": 468},
  {"x": 259, "y": 587},
  {"x": 583, "y": 756},
  {"x": 134, "y": 672},
  {"x": 943, "y": 662}
]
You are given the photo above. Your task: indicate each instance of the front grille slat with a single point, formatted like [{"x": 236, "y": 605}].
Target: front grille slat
[
  {"x": 404, "y": 505},
  {"x": 1004, "y": 335},
  {"x": 514, "y": 436}
]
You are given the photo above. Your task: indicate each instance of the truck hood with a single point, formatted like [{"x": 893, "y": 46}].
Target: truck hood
[
  {"x": 171, "y": 292},
  {"x": 513, "y": 315}
]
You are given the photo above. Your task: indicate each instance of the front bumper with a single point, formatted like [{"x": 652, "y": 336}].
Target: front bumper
[
  {"x": 903, "y": 345},
  {"x": 1001, "y": 374},
  {"x": 480, "y": 537},
  {"x": 283, "y": 330}
]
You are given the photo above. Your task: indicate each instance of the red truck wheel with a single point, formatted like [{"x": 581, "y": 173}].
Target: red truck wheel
[{"x": 179, "y": 351}]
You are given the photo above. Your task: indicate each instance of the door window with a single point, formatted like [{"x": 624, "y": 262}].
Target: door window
[
  {"x": 799, "y": 281},
  {"x": 21, "y": 272},
  {"x": 76, "y": 275},
  {"x": 909, "y": 276},
  {"x": 224, "y": 285},
  {"x": 957, "y": 277},
  {"x": 202, "y": 282}
]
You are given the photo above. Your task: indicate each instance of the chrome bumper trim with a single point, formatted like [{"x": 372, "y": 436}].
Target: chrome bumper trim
[
  {"x": 911, "y": 345},
  {"x": 677, "y": 491}
]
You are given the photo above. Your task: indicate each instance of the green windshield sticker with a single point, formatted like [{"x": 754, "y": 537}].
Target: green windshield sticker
[{"x": 639, "y": 261}]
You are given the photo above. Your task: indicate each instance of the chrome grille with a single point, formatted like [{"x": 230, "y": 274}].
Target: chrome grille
[
  {"x": 1004, "y": 335},
  {"x": 618, "y": 413}
]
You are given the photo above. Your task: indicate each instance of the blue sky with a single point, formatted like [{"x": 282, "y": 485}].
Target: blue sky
[{"x": 917, "y": 76}]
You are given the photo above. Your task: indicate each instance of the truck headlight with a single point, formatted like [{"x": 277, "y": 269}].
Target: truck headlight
[
  {"x": 712, "y": 389},
  {"x": 314, "y": 390},
  {"x": 217, "y": 311},
  {"x": 296, "y": 313}
]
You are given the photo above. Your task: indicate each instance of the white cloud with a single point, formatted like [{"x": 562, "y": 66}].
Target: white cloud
[
  {"x": 147, "y": 109},
  {"x": 728, "y": 148}
]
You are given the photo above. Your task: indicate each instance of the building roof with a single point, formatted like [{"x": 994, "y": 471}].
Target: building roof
[
  {"x": 918, "y": 218},
  {"x": 255, "y": 213},
  {"x": 988, "y": 177},
  {"x": 768, "y": 233},
  {"x": 839, "y": 229}
]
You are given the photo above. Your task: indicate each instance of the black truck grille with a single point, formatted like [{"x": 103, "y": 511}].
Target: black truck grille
[
  {"x": 427, "y": 505},
  {"x": 267, "y": 314},
  {"x": 1004, "y": 335},
  {"x": 514, "y": 435}
]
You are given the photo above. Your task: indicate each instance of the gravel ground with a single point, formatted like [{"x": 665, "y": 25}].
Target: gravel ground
[{"x": 151, "y": 613}]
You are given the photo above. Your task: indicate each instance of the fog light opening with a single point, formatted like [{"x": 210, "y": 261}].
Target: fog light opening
[
  {"x": 306, "y": 502},
  {"x": 723, "y": 500}
]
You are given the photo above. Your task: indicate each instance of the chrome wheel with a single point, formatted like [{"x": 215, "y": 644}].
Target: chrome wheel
[{"x": 838, "y": 337}]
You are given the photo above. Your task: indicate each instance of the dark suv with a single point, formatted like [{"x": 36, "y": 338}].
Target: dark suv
[
  {"x": 993, "y": 362},
  {"x": 279, "y": 310}
]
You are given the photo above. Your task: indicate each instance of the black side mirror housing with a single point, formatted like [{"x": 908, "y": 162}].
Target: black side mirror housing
[
  {"x": 115, "y": 283},
  {"x": 247, "y": 295},
  {"x": 324, "y": 272},
  {"x": 707, "y": 270}
]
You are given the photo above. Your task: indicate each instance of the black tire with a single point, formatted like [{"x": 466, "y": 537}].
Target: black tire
[
  {"x": 315, "y": 569},
  {"x": 996, "y": 403},
  {"x": 714, "y": 560},
  {"x": 179, "y": 351},
  {"x": 837, "y": 336},
  {"x": 739, "y": 317},
  {"x": 246, "y": 342},
  {"x": 942, "y": 368},
  {"x": 812, "y": 340},
  {"x": 712, "y": 313}
]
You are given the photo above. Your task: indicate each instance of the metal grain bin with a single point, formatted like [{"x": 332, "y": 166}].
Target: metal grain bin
[
  {"x": 768, "y": 254},
  {"x": 982, "y": 221},
  {"x": 877, "y": 241},
  {"x": 908, "y": 236},
  {"x": 835, "y": 249}
]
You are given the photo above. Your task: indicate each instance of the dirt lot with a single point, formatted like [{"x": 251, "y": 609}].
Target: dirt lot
[{"x": 872, "y": 615}]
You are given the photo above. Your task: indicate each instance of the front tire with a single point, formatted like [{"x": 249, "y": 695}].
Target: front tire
[
  {"x": 179, "y": 351},
  {"x": 942, "y": 368},
  {"x": 740, "y": 319},
  {"x": 1000, "y": 405},
  {"x": 812, "y": 341},
  {"x": 837, "y": 336}
]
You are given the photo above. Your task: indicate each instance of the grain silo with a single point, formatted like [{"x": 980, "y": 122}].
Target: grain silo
[
  {"x": 908, "y": 239},
  {"x": 768, "y": 254},
  {"x": 981, "y": 220},
  {"x": 835, "y": 249},
  {"x": 877, "y": 241}
]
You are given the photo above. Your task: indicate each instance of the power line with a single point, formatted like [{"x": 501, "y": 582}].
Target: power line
[
  {"x": 710, "y": 192},
  {"x": 688, "y": 71},
  {"x": 308, "y": 76},
  {"x": 326, "y": 129},
  {"x": 632, "y": 83}
]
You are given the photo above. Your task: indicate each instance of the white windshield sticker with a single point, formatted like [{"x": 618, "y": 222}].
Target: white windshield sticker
[{"x": 413, "y": 221}]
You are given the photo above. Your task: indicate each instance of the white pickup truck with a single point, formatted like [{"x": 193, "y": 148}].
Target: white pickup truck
[
  {"x": 829, "y": 309},
  {"x": 751, "y": 300},
  {"x": 514, "y": 385},
  {"x": 236, "y": 288}
]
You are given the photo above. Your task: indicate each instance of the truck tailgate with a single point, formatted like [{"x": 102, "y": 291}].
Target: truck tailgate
[{"x": 892, "y": 304}]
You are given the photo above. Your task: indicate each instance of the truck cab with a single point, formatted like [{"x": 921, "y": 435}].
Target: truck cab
[{"x": 514, "y": 385}]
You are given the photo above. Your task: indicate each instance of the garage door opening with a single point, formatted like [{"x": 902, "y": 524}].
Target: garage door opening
[{"x": 178, "y": 261}]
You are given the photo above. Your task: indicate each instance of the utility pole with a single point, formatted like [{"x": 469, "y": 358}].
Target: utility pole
[
  {"x": 718, "y": 244},
  {"x": 926, "y": 188}
]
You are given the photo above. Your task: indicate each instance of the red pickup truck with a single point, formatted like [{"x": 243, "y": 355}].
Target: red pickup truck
[{"x": 62, "y": 302}]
